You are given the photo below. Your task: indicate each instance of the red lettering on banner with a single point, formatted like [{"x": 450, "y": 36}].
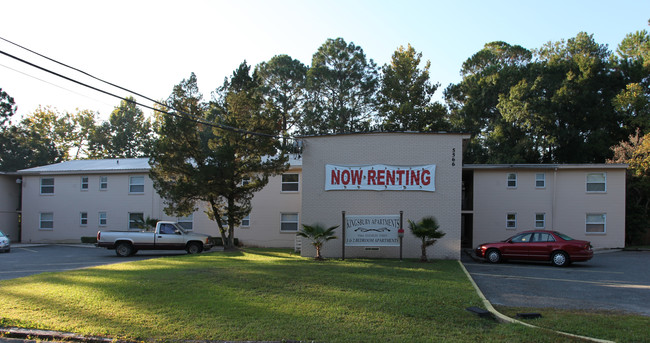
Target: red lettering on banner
[
  {"x": 390, "y": 177},
  {"x": 357, "y": 175},
  {"x": 380, "y": 177},
  {"x": 345, "y": 176},
  {"x": 400, "y": 173},
  {"x": 426, "y": 177},
  {"x": 415, "y": 177},
  {"x": 336, "y": 177},
  {"x": 371, "y": 177}
]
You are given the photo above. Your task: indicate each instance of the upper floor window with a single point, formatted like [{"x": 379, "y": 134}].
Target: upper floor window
[
  {"x": 290, "y": 182},
  {"x": 47, "y": 185},
  {"x": 512, "y": 180},
  {"x": 84, "y": 183},
  {"x": 136, "y": 184},
  {"x": 597, "y": 182},
  {"x": 540, "y": 180},
  {"x": 103, "y": 183},
  {"x": 245, "y": 181}
]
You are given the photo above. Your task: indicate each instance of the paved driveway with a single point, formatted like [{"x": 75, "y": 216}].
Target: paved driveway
[
  {"x": 610, "y": 281},
  {"x": 34, "y": 259}
]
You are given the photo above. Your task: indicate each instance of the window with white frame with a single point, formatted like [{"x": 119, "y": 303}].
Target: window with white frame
[
  {"x": 289, "y": 222},
  {"x": 136, "y": 220},
  {"x": 187, "y": 222},
  {"x": 136, "y": 184},
  {"x": 246, "y": 221},
  {"x": 83, "y": 218},
  {"x": 84, "y": 183},
  {"x": 540, "y": 220},
  {"x": 540, "y": 180},
  {"x": 103, "y": 219},
  {"x": 596, "y": 182},
  {"x": 511, "y": 220},
  {"x": 47, "y": 185},
  {"x": 512, "y": 180},
  {"x": 596, "y": 223},
  {"x": 46, "y": 221},
  {"x": 245, "y": 181},
  {"x": 290, "y": 182},
  {"x": 103, "y": 183}
]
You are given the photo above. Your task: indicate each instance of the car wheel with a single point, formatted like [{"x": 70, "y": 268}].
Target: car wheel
[
  {"x": 194, "y": 248},
  {"x": 560, "y": 259},
  {"x": 124, "y": 249},
  {"x": 493, "y": 256}
]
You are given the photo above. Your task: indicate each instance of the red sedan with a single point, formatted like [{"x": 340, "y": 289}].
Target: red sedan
[{"x": 537, "y": 245}]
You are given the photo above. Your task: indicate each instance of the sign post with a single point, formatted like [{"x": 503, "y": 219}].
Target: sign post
[
  {"x": 343, "y": 241},
  {"x": 400, "y": 232}
]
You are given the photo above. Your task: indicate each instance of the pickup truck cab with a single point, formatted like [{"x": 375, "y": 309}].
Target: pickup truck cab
[{"x": 167, "y": 236}]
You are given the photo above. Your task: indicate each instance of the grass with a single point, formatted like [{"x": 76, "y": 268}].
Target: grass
[{"x": 265, "y": 294}]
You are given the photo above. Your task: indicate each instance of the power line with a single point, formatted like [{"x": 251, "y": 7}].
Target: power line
[{"x": 187, "y": 116}]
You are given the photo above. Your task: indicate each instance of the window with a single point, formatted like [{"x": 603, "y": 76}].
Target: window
[
  {"x": 246, "y": 222},
  {"x": 136, "y": 184},
  {"x": 595, "y": 222},
  {"x": 186, "y": 223},
  {"x": 511, "y": 221},
  {"x": 523, "y": 238},
  {"x": 543, "y": 237},
  {"x": 540, "y": 220},
  {"x": 289, "y": 222},
  {"x": 136, "y": 220},
  {"x": 540, "y": 180},
  {"x": 47, "y": 185},
  {"x": 290, "y": 182},
  {"x": 597, "y": 182},
  {"x": 46, "y": 221},
  {"x": 103, "y": 183},
  {"x": 83, "y": 218},
  {"x": 103, "y": 219},
  {"x": 512, "y": 180},
  {"x": 84, "y": 183},
  {"x": 245, "y": 181}
]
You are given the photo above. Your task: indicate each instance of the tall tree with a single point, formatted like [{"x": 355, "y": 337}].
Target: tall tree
[
  {"x": 404, "y": 99},
  {"x": 194, "y": 163},
  {"x": 7, "y": 107},
  {"x": 343, "y": 85},
  {"x": 283, "y": 87},
  {"x": 57, "y": 127},
  {"x": 127, "y": 133}
]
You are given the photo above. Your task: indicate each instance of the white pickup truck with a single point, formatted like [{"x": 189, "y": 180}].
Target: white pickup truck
[{"x": 167, "y": 236}]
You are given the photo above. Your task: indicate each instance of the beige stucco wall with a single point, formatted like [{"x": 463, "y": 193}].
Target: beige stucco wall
[
  {"x": 398, "y": 149},
  {"x": 564, "y": 200},
  {"x": 9, "y": 205}
]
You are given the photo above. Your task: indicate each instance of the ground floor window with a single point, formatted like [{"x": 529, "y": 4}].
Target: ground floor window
[
  {"x": 511, "y": 221},
  {"x": 595, "y": 222},
  {"x": 289, "y": 222},
  {"x": 47, "y": 221},
  {"x": 246, "y": 222},
  {"x": 103, "y": 219},
  {"x": 83, "y": 218},
  {"x": 136, "y": 220},
  {"x": 187, "y": 222},
  {"x": 540, "y": 220}
]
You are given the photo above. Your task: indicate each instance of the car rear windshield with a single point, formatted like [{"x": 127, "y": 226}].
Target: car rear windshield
[{"x": 563, "y": 236}]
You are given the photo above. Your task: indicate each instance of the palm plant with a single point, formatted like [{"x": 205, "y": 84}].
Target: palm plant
[
  {"x": 427, "y": 230},
  {"x": 318, "y": 236}
]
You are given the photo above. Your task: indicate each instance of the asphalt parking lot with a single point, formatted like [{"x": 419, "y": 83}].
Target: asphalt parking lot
[
  {"x": 35, "y": 259},
  {"x": 618, "y": 280}
]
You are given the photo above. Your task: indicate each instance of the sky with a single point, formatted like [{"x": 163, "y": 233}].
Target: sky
[{"x": 150, "y": 46}]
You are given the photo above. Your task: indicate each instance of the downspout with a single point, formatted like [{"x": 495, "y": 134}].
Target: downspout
[{"x": 554, "y": 201}]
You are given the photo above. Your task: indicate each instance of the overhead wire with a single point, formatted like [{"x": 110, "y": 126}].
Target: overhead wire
[{"x": 185, "y": 115}]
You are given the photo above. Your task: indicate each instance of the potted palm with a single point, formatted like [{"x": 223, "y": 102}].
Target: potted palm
[
  {"x": 318, "y": 235},
  {"x": 426, "y": 230}
]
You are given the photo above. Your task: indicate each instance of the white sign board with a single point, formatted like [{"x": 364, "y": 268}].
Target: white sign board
[
  {"x": 372, "y": 231},
  {"x": 380, "y": 177}
]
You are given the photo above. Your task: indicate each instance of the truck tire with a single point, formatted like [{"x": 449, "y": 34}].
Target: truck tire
[
  {"x": 194, "y": 248},
  {"x": 124, "y": 249}
]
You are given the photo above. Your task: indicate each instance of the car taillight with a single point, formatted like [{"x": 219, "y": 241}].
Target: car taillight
[{"x": 99, "y": 233}]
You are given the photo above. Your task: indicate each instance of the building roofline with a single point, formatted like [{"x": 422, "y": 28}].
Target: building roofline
[
  {"x": 465, "y": 134},
  {"x": 547, "y": 166}
]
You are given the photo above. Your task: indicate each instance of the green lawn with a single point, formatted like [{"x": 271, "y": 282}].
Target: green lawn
[{"x": 263, "y": 294}]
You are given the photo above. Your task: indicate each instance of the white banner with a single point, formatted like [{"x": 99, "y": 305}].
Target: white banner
[
  {"x": 372, "y": 231},
  {"x": 380, "y": 177}
]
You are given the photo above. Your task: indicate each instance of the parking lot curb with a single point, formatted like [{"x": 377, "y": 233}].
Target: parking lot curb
[{"x": 505, "y": 319}]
